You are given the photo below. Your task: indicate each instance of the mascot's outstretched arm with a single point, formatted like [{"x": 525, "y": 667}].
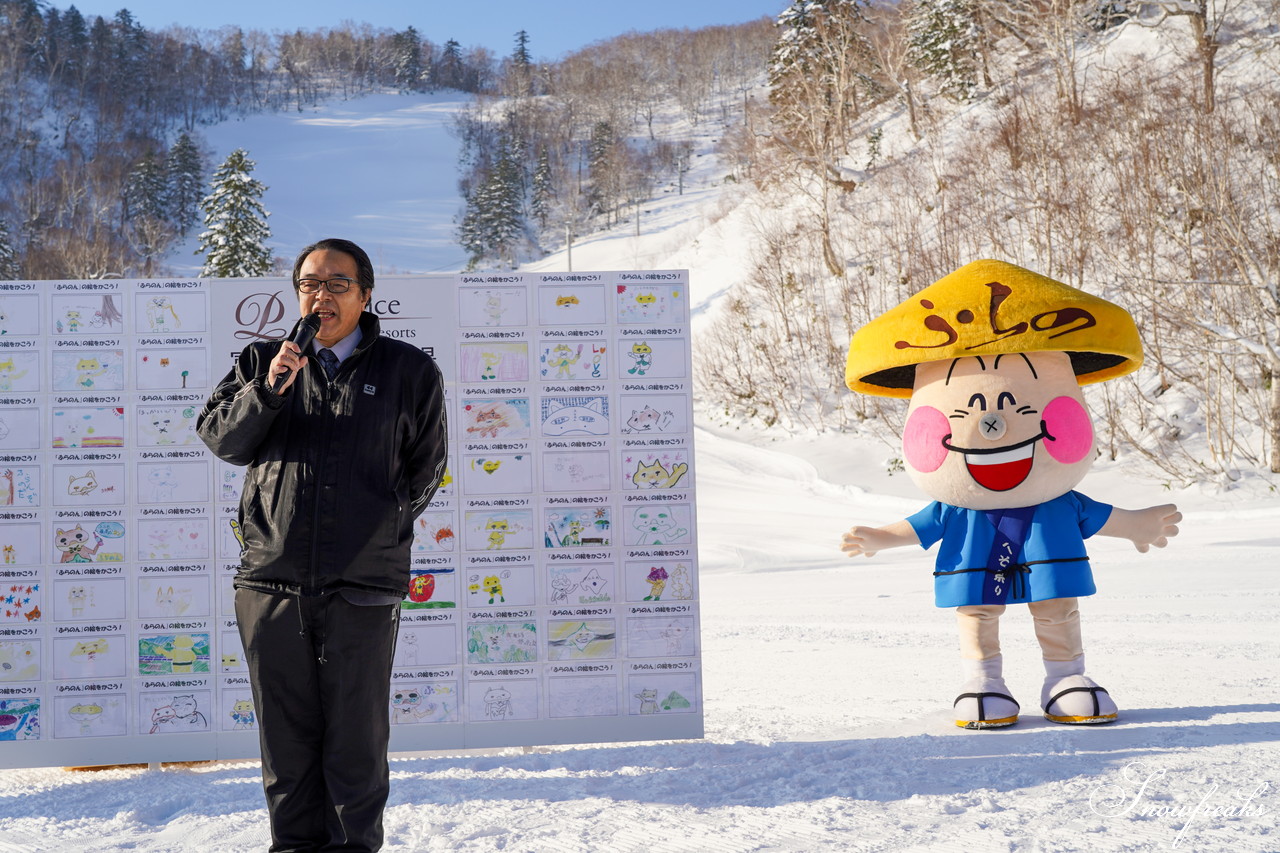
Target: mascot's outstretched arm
[
  {"x": 1155, "y": 525},
  {"x": 868, "y": 540}
]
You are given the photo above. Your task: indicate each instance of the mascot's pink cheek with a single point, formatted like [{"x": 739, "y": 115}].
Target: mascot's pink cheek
[
  {"x": 922, "y": 439},
  {"x": 1067, "y": 421}
]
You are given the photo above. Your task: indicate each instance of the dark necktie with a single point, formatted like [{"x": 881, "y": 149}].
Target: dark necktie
[{"x": 329, "y": 362}]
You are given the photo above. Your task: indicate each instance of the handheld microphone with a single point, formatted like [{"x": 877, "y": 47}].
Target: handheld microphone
[{"x": 307, "y": 329}]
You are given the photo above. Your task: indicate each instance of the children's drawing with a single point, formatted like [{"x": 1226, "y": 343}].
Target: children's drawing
[
  {"x": 88, "y": 428},
  {"x": 19, "y": 485},
  {"x": 173, "y": 539},
  {"x": 663, "y": 469},
  {"x": 169, "y": 313},
  {"x": 512, "y": 699},
  {"x": 19, "y": 429},
  {"x": 651, "y": 414},
  {"x": 502, "y": 642},
  {"x": 493, "y": 361},
  {"x": 447, "y": 488},
  {"x": 580, "y": 584},
  {"x": 231, "y": 657},
  {"x": 101, "y": 543},
  {"x": 103, "y": 656},
  {"x": 173, "y": 482},
  {"x": 174, "y": 713},
  {"x": 666, "y": 637},
  {"x": 575, "y": 470},
  {"x": 582, "y": 696},
  {"x": 488, "y": 586},
  {"x": 435, "y": 588},
  {"x": 651, "y": 303},
  {"x": 166, "y": 426},
  {"x": 171, "y": 369},
  {"x": 577, "y": 528},
  {"x": 497, "y": 473},
  {"x": 674, "y": 693},
  {"x": 19, "y": 372},
  {"x": 493, "y": 306},
  {"x": 433, "y": 533},
  {"x": 659, "y": 524},
  {"x": 426, "y": 645},
  {"x": 19, "y": 315},
  {"x": 19, "y": 660},
  {"x": 20, "y": 544},
  {"x": 658, "y": 581},
  {"x": 88, "y": 484},
  {"x": 97, "y": 370},
  {"x": 86, "y": 314},
  {"x": 230, "y": 482},
  {"x": 571, "y": 305},
  {"x": 230, "y": 542},
  {"x": 575, "y": 416},
  {"x": 432, "y": 702},
  {"x": 99, "y": 715},
  {"x": 495, "y": 420},
  {"x": 238, "y": 712},
  {"x": 572, "y": 362},
  {"x": 576, "y": 639},
  {"x": 89, "y": 598},
  {"x": 653, "y": 358},
  {"x": 20, "y": 601},
  {"x": 20, "y": 718},
  {"x": 179, "y": 654},
  {"x": 171, "y": 597},
  {"x": 498, "y": 531}
]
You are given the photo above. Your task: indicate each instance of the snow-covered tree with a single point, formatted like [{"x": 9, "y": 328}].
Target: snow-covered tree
[
  {"x": 146, "y": 191},
  {"x": 235, "y": 221},
  {"x": 492, "y": 225},
  {"x": 9, "y": 266},
  {"x": 542, "y": 189},
  {"x": 185, "y": 169},
  {"x": 943, "y": 42},
  {"x": 408, "y": 59}
]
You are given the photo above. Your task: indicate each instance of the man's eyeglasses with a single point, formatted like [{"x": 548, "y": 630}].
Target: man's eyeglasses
[{"x": 341, "y": 284}]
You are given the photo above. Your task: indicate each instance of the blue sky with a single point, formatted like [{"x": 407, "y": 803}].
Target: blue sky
[{"x": 555, "y": 27}]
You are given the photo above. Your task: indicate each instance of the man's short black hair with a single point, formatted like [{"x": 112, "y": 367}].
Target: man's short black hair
[{"x": 364, "y": 267}]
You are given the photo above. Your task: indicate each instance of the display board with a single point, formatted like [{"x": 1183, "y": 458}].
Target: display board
[{"x": 554, "y": 579}]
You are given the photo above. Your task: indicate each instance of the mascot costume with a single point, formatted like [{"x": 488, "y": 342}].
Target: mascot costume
[{"x": 992, "y": 358}]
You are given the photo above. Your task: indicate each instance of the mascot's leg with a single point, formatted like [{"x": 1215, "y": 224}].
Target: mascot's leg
[
  {"x": 1068, "y": 696},
  {"x": 984, "y": 701}
]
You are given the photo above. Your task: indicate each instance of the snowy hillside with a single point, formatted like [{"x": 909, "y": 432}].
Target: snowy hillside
[{"x": 827, "y": 681}]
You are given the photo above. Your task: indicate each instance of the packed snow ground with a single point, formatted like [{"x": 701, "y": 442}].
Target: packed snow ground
[{"x": 827, "y": 681}]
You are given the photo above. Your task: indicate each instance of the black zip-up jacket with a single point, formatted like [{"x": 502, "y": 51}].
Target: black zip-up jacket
[{"x": 337, "y": 472}]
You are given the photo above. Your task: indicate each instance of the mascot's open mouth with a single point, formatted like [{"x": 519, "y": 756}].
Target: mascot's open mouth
[{"x": 1000, "y": 469}]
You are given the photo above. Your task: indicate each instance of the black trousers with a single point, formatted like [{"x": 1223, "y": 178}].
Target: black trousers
[{"x": 320, "y": 669}]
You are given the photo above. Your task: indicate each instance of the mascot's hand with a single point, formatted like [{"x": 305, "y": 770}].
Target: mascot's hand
[
  {"x": 869, "y": 540},
  {"x": 1155, "y": 525}
]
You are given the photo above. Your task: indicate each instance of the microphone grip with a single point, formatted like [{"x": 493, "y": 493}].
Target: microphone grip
[{"x": 307, "y": 330}]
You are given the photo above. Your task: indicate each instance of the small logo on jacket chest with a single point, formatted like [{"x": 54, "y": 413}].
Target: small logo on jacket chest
[{"x": 370, "y": 390}]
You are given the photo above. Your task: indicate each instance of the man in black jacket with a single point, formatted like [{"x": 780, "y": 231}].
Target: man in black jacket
[{"x": 341, "y": 460}]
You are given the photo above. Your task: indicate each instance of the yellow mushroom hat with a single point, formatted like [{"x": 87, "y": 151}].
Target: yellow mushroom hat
[{"x": 989, "y": 308}]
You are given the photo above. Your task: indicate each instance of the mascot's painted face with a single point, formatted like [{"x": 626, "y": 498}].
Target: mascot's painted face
[{"x": 995, "y": 432}]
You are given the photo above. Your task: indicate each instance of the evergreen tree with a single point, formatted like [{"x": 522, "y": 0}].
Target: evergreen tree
[
  {"x": 491, "y": 225},
  {"x": 185, "y": 169},
  {"x": 449, "y": 72},
  {"x": 146, "y": 191},
  {"x": 9, "y": 266},
  {"x": 942, "y": 41},
  {"x": 235, "y": 222},
  {"x": 543, "y": 189},
  {"x": 522, "y": 66},
  {"x": 407, "y": 47}
]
